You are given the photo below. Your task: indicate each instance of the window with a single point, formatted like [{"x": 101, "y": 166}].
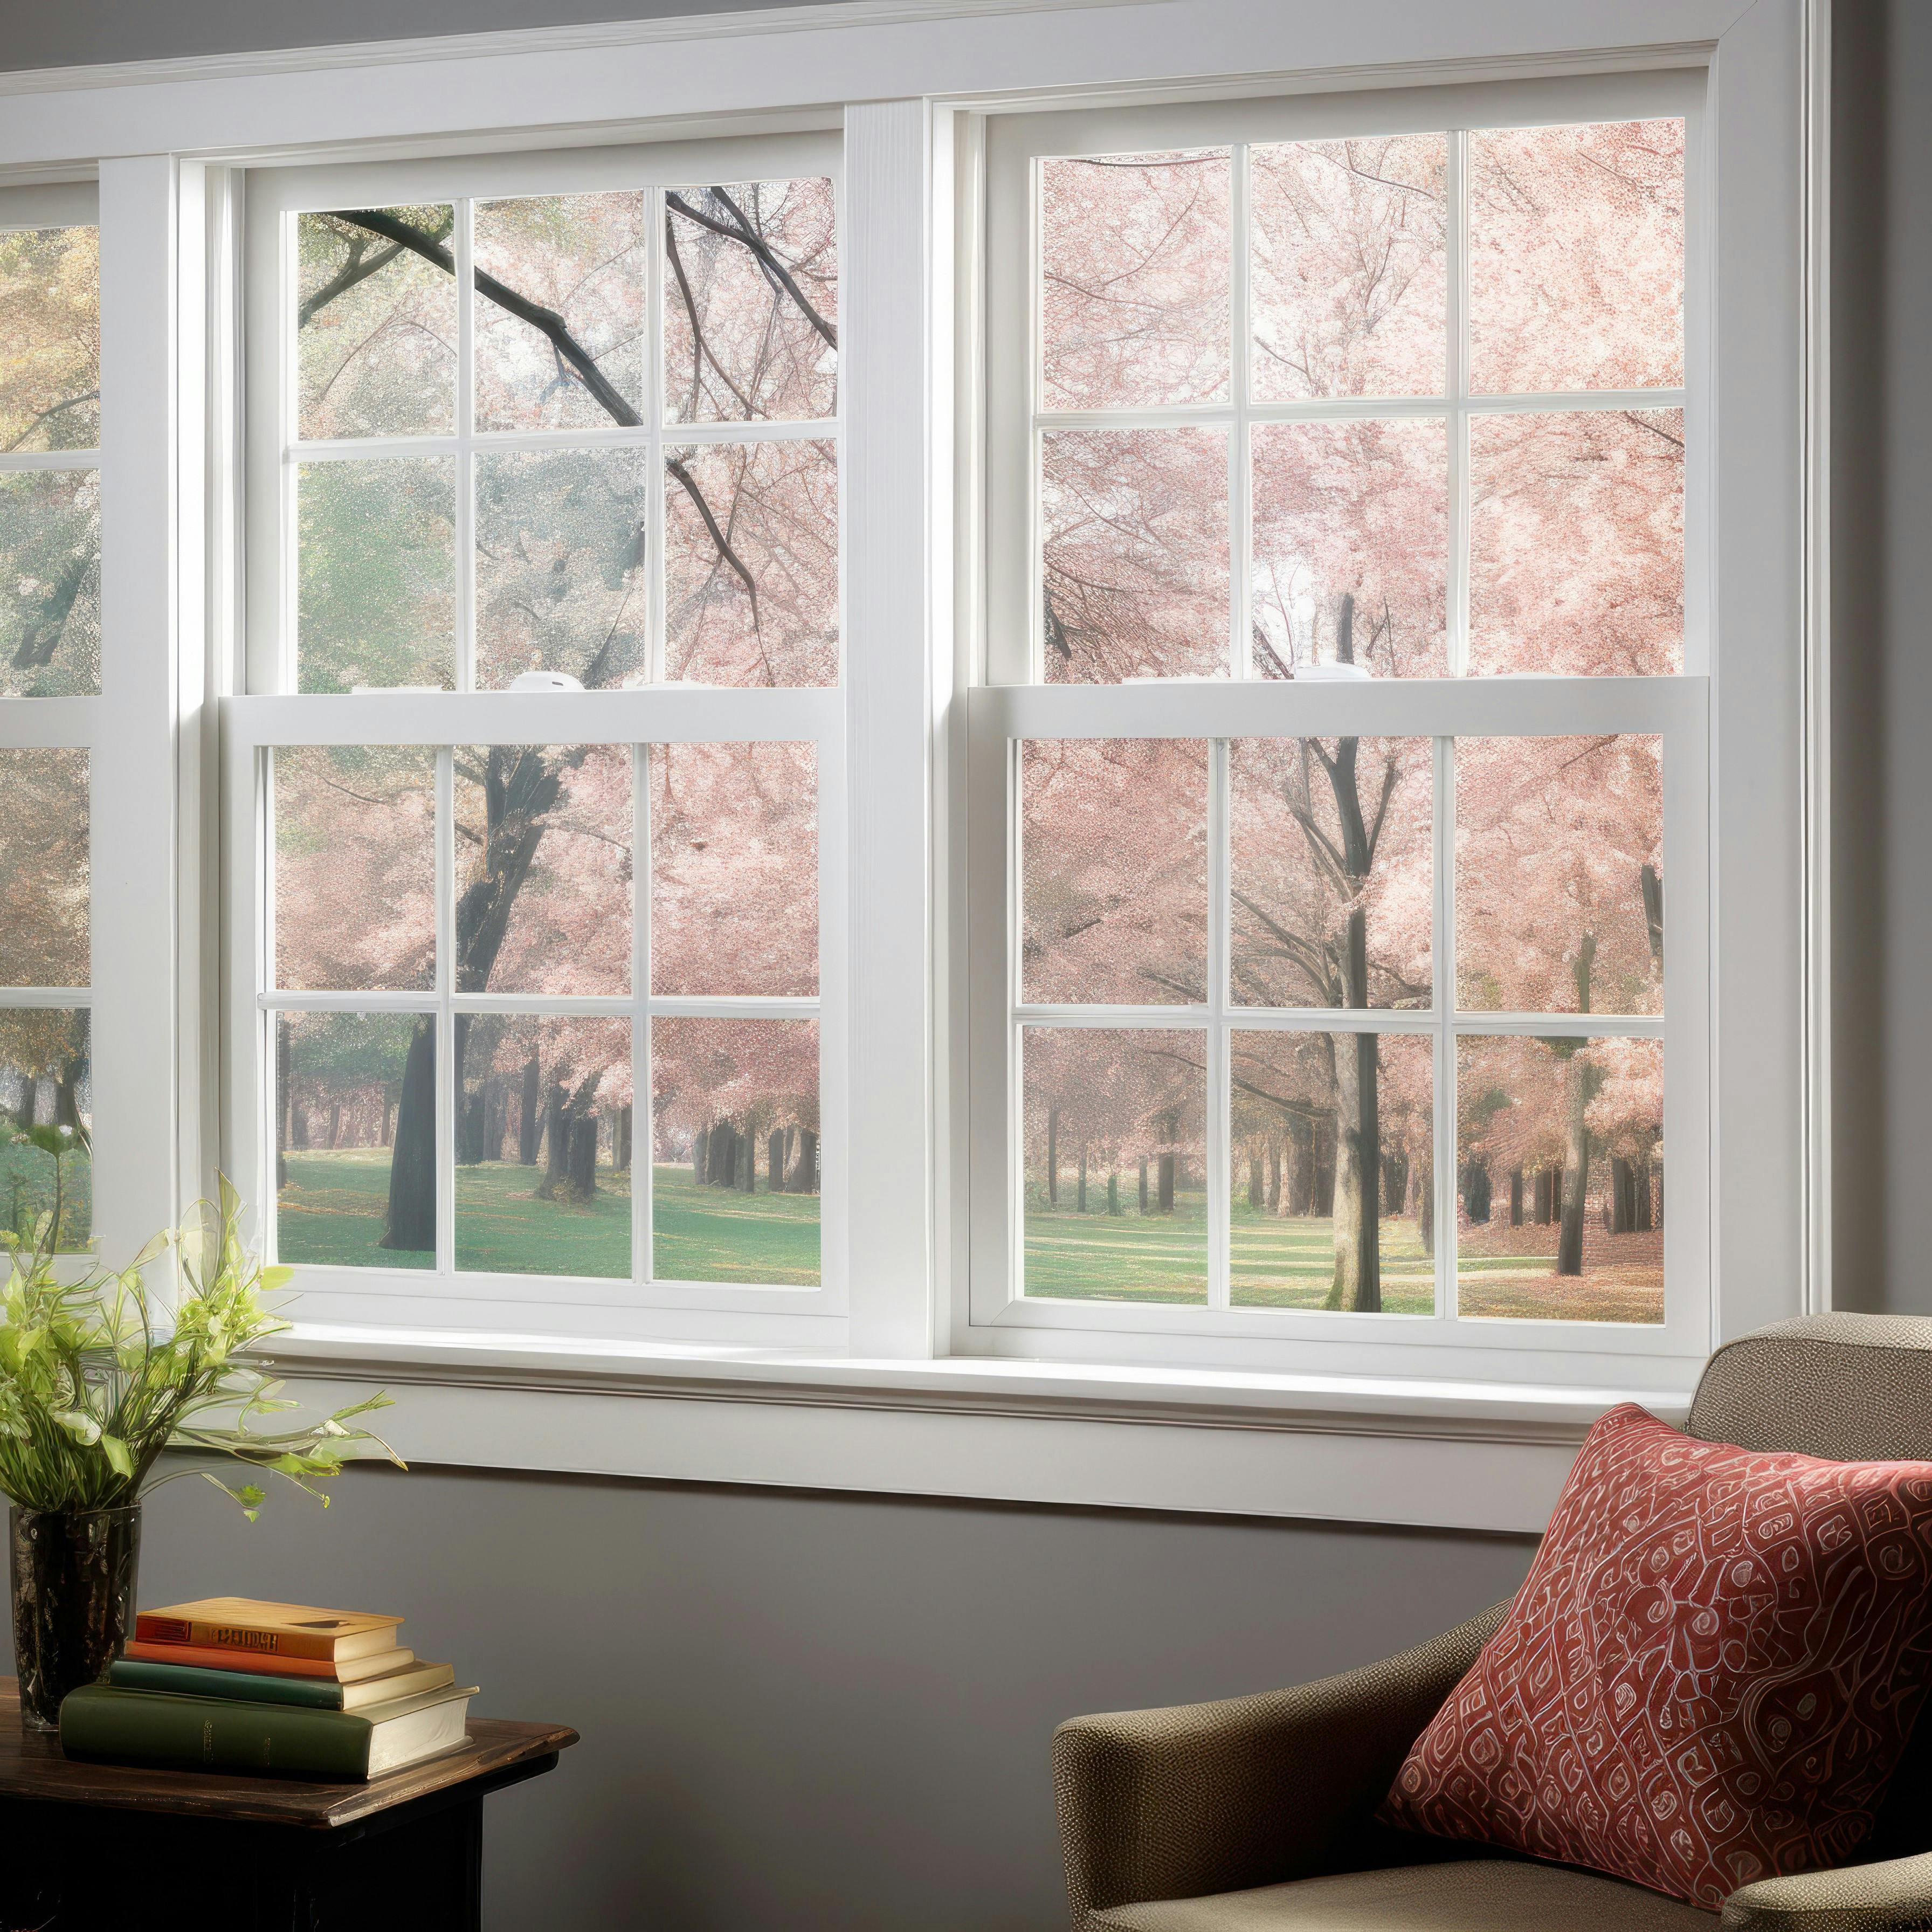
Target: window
[
  {"x": 544, "y": 647},
  {"x": 1343, "y": 717},
  {"x": 49, "y": 649}
]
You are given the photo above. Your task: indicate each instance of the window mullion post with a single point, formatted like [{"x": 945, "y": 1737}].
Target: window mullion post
[
  {"x": 1458, "y": 425},
  {"x": 448, "y": 1099},
  {"x": 1220, "y": 1154},
  {"x": 466, "y": 461},
  {"x": 1444, "y": 954},
  {"x": 143, "y": 1074},
  {"x": 891, "y": 694}
]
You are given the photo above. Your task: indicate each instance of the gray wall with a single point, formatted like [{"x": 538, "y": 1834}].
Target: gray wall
[
  {"x": 806, "y": 1710},
  {"x": 1882, "y": 585},
  {"x": 72, "y": 33}
]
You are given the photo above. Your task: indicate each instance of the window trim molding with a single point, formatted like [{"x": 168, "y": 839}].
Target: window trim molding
[{"x": 165, "y": 316}]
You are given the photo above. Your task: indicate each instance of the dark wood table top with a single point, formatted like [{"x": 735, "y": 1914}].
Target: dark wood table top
[{"x": 32, "y": 1766}]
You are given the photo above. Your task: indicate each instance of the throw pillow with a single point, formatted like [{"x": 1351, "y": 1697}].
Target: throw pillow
[{"x": 1707, "y": 1676}]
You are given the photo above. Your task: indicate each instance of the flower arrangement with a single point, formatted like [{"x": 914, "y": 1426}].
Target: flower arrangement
[{"x": 97, "y": 1378}]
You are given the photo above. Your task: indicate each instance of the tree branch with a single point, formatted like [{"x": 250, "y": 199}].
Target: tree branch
[{"x": 746, "y": 236}]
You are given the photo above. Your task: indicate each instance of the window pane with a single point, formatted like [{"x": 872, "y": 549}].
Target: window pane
[
  {"x": 375, "y": 323},
  {"x": 1135, "y": 525},
  {"x": 1114, "y": 866},
  {"x": 734, "y": 869},
  {"x": 1577, "y": 257},
  {"x": 1559, "y": 875},
  {"x": 355, "y": 1139},
  {"x": 1351, "y": 547},
  {"x": 354, "y": 868},
  {"x": 1330, "y": 1204},
  {"x": 1560, "y": 1179},
  {"x": 50, "y": 339},
  {"x": 46, "y": 1091},
  {"x": 579, "y": 259},
  {"x": 543, "y": 868},
  {"x": 1577, "y": 543},
  {"x": 750, "y": 302},
  {"x": 1116, "y": 1164},
  {"x": 43, "y": 868},
  {"x": 377, "y": 574},
  {"x": 1349, "y": 289},
  {"x": 1134, "y": 256},
  {"x": 543, "y": 1145},
  {"x": 1329, "y": 872},
  {"x": 49, "y": 583},
  {"x": 560, "y": 583},
  {"x": 751, "y": 564},
  {"x": 735, "y": 1184}
]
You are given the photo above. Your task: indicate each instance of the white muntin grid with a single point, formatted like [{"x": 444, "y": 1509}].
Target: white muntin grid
[
  {"x": 1491, "y": 708},
  {"x": 463, "y": 448},
  {"x": 637, "y": 717},
  {"x": 443, "y": 1003}
]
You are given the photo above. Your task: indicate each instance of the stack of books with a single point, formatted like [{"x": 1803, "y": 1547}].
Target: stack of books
[{"x": 235, "y": 1684}]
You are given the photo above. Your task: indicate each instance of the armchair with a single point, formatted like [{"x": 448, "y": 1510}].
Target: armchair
[{"x": 1256, "y": 1814}]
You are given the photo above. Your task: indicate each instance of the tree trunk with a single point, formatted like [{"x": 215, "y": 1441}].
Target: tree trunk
[
  {"x": 1082, "y": 1203},
  {"x": 721, "y": 1166},
  {"x": 1576, "y": 1169},
  {"x": 581, "y": 1184},
  {"x": 775, "y": 1148},
  {"x": 620, "y": 1159},
  {"x": 1643, "y": 1214},
  {"x": 700, "y": 1142},
  {"x": 1053, "y": 1157},
  {"x": 1357, "y": 1280},
  {"x": 388, "y": 1117},
  {"x": 1324, "y": 1202},
  {"x": 1425, "y": 1209},
  {"x": 1164, "y": 1185},
  {"x": 529, "y": 1125},
  {"x": 1274, "y": 1173},
  {"x": 748, "y": 1164},
  {"x": 495, "y": 1119},
  {"x": 556, "y": 1135},
  {"x": 1623, "y": 1205},
  {"x": 1257, "y": 1187},
  {"x": 1114, "y": 1191},
  {"x": 1143, "y": 1185},
  {"x": 411, "y": 1228},
  {"x": 1516, "y": 1197},
  {"x": 804, "y": 1170}
]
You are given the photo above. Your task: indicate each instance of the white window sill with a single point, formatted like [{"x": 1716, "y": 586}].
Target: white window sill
[{"x": 1480, "y": 1456}]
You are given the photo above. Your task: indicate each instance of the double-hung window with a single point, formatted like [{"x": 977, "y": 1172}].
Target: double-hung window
[
  {"x": 50, "y": 704},
  {"x": 534, "y": 858},
  {"x": 1341, "y": 719}
]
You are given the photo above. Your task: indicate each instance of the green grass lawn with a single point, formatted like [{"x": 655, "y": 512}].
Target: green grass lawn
[
  {"x": 27, "y": 1192},
  {"x": 712, "y": 1234},
  {"x": 331, "y": 1214}
]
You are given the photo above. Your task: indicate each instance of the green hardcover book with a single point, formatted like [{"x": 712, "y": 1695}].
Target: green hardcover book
[
  {"x": 118, "y": 1726},
  {"x": 256, "y": 1686}
]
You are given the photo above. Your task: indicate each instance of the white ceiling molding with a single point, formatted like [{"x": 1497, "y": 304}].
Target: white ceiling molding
[{"x": 515, "y": 40}]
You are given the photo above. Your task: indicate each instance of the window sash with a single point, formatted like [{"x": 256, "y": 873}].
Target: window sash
[{"x": 254, "y": 727}]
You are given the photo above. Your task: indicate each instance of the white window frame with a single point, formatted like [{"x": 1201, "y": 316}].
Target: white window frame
[
  {"x": 272, "y": 714},
  {"x": 171, "y": 139},
  {"x": 1013, "y": 704}
]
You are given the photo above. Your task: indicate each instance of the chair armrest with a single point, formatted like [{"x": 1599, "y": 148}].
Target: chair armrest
[
  {"x": 1251, "y": 1791},
  {"x": 1894, "y": 1895}
]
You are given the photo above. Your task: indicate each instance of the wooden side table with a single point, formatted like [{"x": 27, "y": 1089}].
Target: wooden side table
[{"x": 89, "y": 1847}]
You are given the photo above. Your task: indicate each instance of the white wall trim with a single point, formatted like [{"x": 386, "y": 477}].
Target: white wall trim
[
  {"x": 1471, "y": 1456},
  {"x": 512, "y": 41},
  {"x": 1817, "y": 619}
]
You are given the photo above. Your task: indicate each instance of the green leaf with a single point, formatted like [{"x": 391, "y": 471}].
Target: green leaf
[{"x": 116, "y": 1453}]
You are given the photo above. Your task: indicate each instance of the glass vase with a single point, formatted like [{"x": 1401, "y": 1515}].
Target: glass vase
[{"x": 73, "y": 1573}]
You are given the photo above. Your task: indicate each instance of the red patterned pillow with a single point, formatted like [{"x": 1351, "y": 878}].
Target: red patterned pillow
[{"x": 1708, "y": 1675}]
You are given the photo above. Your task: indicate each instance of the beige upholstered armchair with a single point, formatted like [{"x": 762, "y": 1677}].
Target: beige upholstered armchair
[{"x": 1257, "y": 1814}]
